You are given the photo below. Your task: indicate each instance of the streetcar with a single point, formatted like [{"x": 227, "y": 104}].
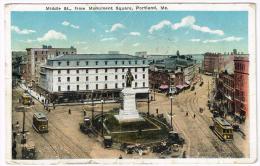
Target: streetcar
[
  {"x": 26, "y": 99},
  {"x": 222, "y": 128},
  {"x": 40, "y": 122}
]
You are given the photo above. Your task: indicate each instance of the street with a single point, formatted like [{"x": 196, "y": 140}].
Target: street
[{"x": 64, "y": 139}]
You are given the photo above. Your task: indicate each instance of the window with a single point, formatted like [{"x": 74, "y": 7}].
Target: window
[
  {"x": 77, "y": 63},
  {"x": 87, "y": 87},
  {"x": 136, "y": 62},
  {"x": 105, "y": 77},
  {"x": 115, "y": 70},
  {"x": 143, "y": 69},
  {"x": 116, "y": 77},
  {"x": 116, "y": 85},
  {"x": 77, "y": 87},
  {"x": 136, "y": 84},
  {"x": 35, "y": 59},
  {"x": 68, "y": 71},
  {"x": 123, "y": 62},
  {"x": 123, "y": 76},
  {"x": 96, "y": 86},
  {"x": 105, "y": 86},
  {"x": 68, "y": 63},
  {"x": 59, "y": 88},
  {"x": 123, "y": 70},
  {"x": 105, "y": 62},
  {"x": 58, "y": 71},
  {"x": 59, "y": 63},
  {"x": 66, "y": 52},
  {"x": 59, "y": 80},
  {"x": 136, "y": 76},
  {"x": 116, "y": 62},
  {"x": 96, "y": 62},
  {"x": 123, "y": 85},
  {"x": 68, "y": 87},
  {"x": 143, "y": 75},
  {"x": 96, "y": 78},
  {"x": 77, "y": 78},
  {"x": 135, "y": 69},
  {"x": 106, "y": 70},
  {"x": 86, "y": 62},
  {"x": 96, "y": 70},
  {"x": 143, "y": 84},
  {"x": 86, "y": 78},
  {"x": 129, "y": 62},
  {"x": 77, "y": 71},
  {"x": 86, "y": 70},
  {"x": 68, "y": 79},
  {"x": 143, "y": 61}
]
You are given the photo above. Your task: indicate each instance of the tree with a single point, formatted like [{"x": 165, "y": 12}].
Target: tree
[{"x": 178, "y": 53}]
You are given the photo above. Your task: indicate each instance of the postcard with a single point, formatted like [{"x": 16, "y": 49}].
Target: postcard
[{"x": 130, "y": 83}]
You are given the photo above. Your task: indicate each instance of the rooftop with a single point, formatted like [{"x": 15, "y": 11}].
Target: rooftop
[
  {"x": 40, "y": 115},
  {"x": 222, "y": 121},
  {"x": 95, "y": 57}
]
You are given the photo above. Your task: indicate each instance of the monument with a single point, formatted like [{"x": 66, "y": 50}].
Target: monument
[{"x": 129, "y": 112}]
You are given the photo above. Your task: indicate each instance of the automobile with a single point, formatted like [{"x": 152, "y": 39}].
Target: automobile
[
  {"x": 108, "y": 141},
  {"x": 28, "y": 150},
  {"x": 236, "y": 127},
  {"x": 85, "y": 127},
  {"x": 192, "y": 88},
  {"x": 175, "y": 138}
]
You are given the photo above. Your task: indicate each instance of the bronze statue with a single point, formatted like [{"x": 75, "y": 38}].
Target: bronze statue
[{"x": 129, "y": 78}]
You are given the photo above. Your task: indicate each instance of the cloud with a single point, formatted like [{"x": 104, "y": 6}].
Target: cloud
[
  {"x": 159, "y": 26},
  {"x": 66, "y": 23},
  {"x": 52, "y": 35},
  {"x": 28, "y": 41},
  {"x": 22, "y": 31},
  {"x": 93, "y": 30},
  {"x": 195, "y": 40},
  {"x": 80, "y": 42},
  {"x": 116, "y": 27},
  {"x": 186, "y": 22},
  {"x": 108, "y": 39},
  {"x": 227, "y": 39},
  {"x": 136, "y": 44},
  {"x": 135, "y": 33}
]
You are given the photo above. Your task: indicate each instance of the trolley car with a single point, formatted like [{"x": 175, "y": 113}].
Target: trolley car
[
  {"x": 222, "y": 129},
  {"x": 40, "y": 122},
  {"x": 26, "y": 99}
]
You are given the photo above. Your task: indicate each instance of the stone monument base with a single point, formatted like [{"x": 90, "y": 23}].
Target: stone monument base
[
  {"x": 128, "y": 116},
  {"x": 129, "y": 112}
]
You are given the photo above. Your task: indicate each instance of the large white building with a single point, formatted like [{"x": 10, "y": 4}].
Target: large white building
[{"x": 81, "y": 76}]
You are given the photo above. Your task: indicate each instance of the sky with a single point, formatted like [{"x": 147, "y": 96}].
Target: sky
[{"x": 161, "y": 32}]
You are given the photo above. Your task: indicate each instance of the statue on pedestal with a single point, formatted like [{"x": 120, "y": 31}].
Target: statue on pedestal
[{"x": 129, "y": 78}]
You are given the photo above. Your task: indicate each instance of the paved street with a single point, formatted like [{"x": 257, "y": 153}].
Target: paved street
[{"x": 65, "y": 140}]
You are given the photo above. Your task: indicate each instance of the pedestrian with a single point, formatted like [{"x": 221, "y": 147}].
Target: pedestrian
[
  {"x": 84, "y": 113},
  {"x": 17, "y": 126},
  {"x": 14, "y": 153},
  {"x": 157, "y": 111},
  {"x": 184, "y": 154},
  {"x": 120, "y": 156},
  {"x": 187, "y": 113},
  {"x": 69, "y": 111},
  {"x": 194, "y": 116},
  {"x": 14, "y": 135}
]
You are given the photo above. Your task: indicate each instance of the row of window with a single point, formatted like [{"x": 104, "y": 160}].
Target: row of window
[
  {"x": 97, "y": 70},
  {"x": 97, "y": 87},
  {"x": 105, "y": 62},
  {"x": 46, "y": 52},
  {"x": 116, "y": 77}
]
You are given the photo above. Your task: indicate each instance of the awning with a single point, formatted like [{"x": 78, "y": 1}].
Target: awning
[
  {"x": 180, "y": 86},
  {"x": 164, "y": 87}
]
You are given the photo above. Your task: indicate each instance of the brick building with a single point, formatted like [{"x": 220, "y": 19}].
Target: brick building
[
  {"x": 213, "y": 62},
  {"x": 38, "y": 57},
  {"x": 241, "y": 73}
]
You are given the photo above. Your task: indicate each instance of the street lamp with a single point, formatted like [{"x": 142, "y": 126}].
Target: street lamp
[
  {"x": 171, "y": 97},
  {"x": 102, "y": 118}
]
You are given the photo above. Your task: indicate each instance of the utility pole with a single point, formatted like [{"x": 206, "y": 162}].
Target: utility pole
[
  {"x": 92, "y": 104},
  {"x": 102, "y": 118},
  {"x": 148, "y": 102},
  {"x": 171, "y": 97}
]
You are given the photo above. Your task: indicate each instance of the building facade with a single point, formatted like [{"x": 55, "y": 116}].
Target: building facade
[
  {"x": 213, "y": 62},
  {"x": 101, "y": 75},
  {"x": 38, "y": 57},
  {"x": 241, "y": 73}
]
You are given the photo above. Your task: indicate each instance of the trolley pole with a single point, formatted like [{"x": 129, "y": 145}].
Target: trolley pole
[{"x": 102, "y": 118}]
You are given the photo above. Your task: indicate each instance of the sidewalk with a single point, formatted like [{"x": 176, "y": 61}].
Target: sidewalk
[{"x": 35, "y": 95}]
